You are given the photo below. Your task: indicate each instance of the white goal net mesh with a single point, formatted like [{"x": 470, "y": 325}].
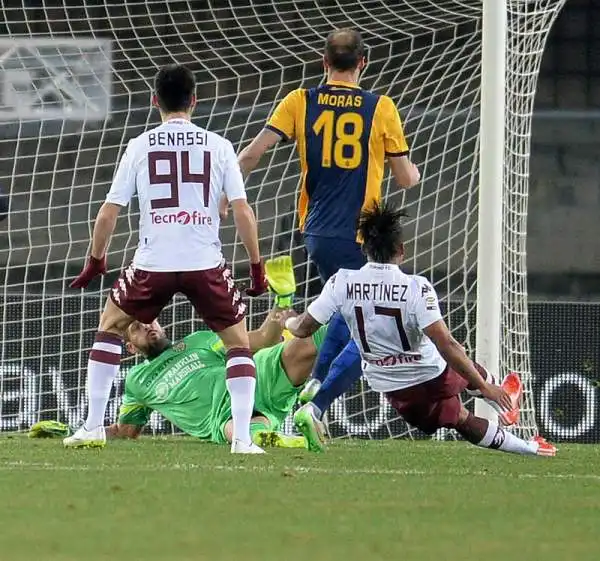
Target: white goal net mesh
[{"x": 76, "y": 80}]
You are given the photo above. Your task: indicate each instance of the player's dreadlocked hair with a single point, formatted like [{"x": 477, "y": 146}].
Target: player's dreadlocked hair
[
  {"x": 344, "y": 49},
  {"x": 174, "y": 87},
  {"x": 380, "y": 227}
]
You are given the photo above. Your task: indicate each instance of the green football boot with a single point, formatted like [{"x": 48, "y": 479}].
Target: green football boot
[
  {"x": 308, "y": 424},
  {"x": 273, "y": 439}
]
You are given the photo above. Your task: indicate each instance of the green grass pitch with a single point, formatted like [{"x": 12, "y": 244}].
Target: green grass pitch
[{"x": 177, "y": 500}]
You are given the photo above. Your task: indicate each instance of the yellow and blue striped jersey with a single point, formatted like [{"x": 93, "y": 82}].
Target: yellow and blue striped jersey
[{"x": 343, "y": 134}]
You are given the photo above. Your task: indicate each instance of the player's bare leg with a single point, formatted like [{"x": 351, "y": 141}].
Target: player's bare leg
[
  {"x": 298, "y": 359},
  {"x": 241, "y": 383},
  {"x": 486, "y": 434},
  {"x": 103, "y": 365}
]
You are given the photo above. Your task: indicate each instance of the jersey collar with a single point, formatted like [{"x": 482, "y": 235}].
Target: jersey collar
[
  {"x": 178, "y": 121},
  {"x": 343, "y": 84},
  {"x": 382, "y": 266}
]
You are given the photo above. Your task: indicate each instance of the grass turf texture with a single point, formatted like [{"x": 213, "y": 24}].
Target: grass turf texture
[{"x": 176, "y": 499}]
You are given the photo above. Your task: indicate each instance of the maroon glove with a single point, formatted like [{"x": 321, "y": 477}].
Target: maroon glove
[
  {"x": 258, "y": 278},
  {"x": 93, "y": 268}
]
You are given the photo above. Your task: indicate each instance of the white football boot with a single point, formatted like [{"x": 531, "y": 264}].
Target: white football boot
[
  {"x": 239, "y": 447},
  {"x": 83, "y": 438}
]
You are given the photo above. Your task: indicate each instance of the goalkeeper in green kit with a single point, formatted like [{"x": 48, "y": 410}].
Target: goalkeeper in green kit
[{"x": 185, "y": 381}]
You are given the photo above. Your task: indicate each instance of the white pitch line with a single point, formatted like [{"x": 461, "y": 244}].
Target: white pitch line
[{"x": 302, "y": 470}]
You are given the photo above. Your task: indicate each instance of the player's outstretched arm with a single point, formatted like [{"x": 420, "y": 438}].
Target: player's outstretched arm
[
  {"x": 250, "y": 156},
  {"x": 454, "y": 354},
  {"x": 245, "y": 223},
  {"x": 248, "y": 159},
  {"x": 404, "y": 171},
  {"x": 318, "y": 313},
  {"x": 302, "y": 326},
  {"x": 282, "y": 282},
  {"x": 103, "y": 230},
  {"x": 105, "y": 224},
  {"x": 271, "y": 331}
]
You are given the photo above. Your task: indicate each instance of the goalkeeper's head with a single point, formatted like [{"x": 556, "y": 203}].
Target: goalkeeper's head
[
  {"x": 147, "y": 339},
  {"x": 345, "y": 52},
  {"x": 380, "y": 227},
  {"x": 174, "y": 90}
]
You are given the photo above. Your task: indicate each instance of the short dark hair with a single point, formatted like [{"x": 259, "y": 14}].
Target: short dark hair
[
  {"x": 380, "y": 227},
  {"x": 174, "y": 87},
  {"x": 344, "y": 49}
]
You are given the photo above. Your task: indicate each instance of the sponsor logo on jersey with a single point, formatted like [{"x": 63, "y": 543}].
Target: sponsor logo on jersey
[
  {"x": 395, "y": 360},
  {"x": 183, "y": 217},
  {"x": 431, "y": 303},
  {"x": 176, "y": 372}
]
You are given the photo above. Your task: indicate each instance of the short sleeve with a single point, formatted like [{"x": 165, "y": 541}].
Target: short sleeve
[
  {"x": 123, "y": 184},
  {"x": 325, "y": 305},
  {"x": 233, "y": 180},
  {"x": 393, "y": 134},
  {"x": 133, "y": 413},
  {"x": 283, "y": 119},
  {"x": 427, "y": 306}
]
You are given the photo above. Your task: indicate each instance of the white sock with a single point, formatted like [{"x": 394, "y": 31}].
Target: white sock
[
  {"x": 241, "y": 390},
  {"x": 103, "y": 366},
  {"x": 497, "y": 438}
]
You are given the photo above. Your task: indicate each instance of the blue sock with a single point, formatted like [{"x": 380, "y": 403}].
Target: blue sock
[
  {"x": 337, "y": 336},
  {"x": 344, "y": 371}
]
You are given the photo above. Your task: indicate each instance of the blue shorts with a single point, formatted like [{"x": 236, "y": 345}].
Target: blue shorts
[{"x": 332, "y": 254}]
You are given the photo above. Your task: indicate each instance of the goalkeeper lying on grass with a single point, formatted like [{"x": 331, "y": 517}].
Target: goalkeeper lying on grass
[{"x": 185, "y": 381}]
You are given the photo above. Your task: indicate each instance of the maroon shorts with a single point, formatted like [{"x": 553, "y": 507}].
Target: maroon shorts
[
  {"x": 143, "y": 294},
  {"x": 433, "y": 404}
]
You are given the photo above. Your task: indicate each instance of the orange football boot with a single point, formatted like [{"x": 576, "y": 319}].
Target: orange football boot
[
  {"x": 513, "y": 386},
  {"x": 545, "y": 448}
]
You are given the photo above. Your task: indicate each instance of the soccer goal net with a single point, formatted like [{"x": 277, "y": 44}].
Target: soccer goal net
[{"x": 76, "y": 79}]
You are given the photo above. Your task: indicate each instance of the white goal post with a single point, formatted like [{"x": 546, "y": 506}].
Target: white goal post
[
  {"x": 491, "y": 184},
  {"x": 75, "y": 87}
]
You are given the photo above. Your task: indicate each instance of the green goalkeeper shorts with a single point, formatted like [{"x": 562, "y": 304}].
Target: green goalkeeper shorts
[{"x": 275, "y": 395}]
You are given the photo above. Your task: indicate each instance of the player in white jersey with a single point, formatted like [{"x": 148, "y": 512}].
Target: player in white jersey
[
  {"x": 407, "y": 350},
  {"x": 179, "y": 171}
]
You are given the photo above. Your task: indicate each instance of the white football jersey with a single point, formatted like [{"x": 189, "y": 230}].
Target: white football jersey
[
  {"x": 386, "y": 311},
  {"x": 179, "y": 171}
]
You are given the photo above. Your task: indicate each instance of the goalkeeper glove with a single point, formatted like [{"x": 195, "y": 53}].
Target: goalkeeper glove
[
  {"x": 93, "y": 268},
  {"x": 49, "y": 429},
  {"x": 257, "y": 276},
  {"x": 281, "y": 279}
]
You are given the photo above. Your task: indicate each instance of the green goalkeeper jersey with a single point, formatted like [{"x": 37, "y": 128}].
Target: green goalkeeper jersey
[{"x": 185, "y": 384}]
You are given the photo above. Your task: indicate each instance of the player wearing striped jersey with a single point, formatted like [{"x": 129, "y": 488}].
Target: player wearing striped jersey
[
  {"x": 407, "y": 350},
  {"x": 344, "y": 134},
  {"x": 179, "y": 171}
]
